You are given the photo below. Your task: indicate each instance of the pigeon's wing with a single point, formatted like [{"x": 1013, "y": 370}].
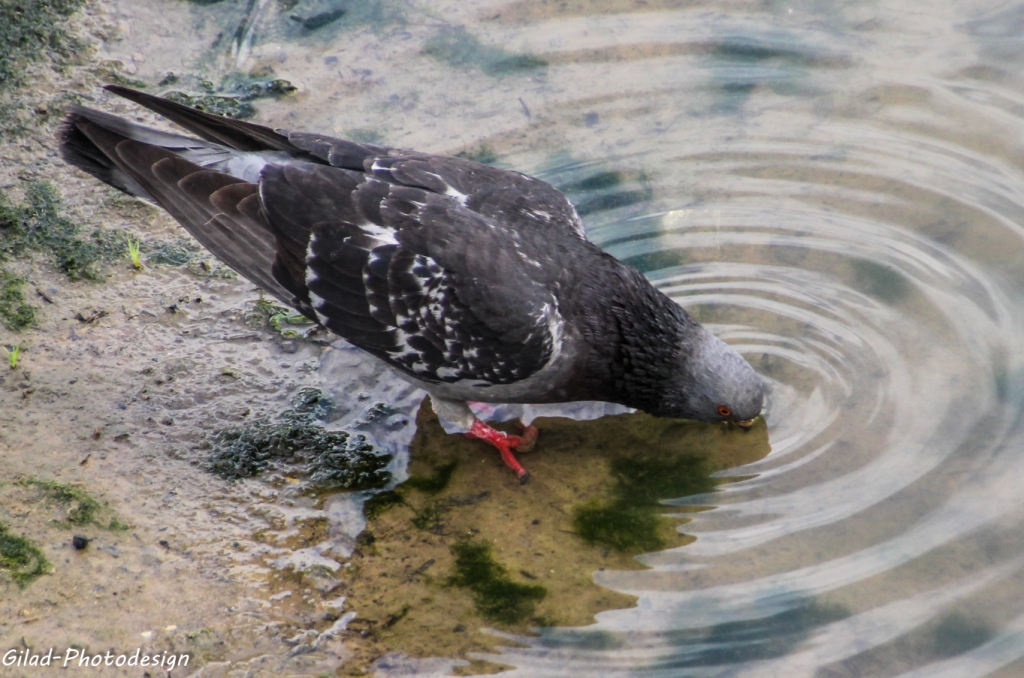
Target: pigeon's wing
[
  {"x": 502, "y": 195},
  {"x": 496, "y": 193},
  {"x": 412, "y": 276}
]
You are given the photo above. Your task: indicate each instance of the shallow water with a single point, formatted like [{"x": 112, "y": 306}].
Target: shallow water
[{"x": 836, "y": 189}]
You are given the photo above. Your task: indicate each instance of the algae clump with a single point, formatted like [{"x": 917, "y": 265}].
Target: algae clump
[
  {"x": 38, "y": 224},
  {"x": 496, "y": 597},
  {"x": 331, "y": 459},
  {"x": 80, "y": 508},
  {"x": 629, "y": 522},
  {"x": 23, "y": 561},
  {"x": 15, "y": 313}
]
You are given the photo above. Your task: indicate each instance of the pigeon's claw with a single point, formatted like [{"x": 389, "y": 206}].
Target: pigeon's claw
[
  {"x": 504, "y": 442},
  {"x": 528, "y": 439}
]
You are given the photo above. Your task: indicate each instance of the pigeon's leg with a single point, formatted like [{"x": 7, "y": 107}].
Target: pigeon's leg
[
  {"x": 459, "y": 413},
  {"x": 528, "y": 438}
]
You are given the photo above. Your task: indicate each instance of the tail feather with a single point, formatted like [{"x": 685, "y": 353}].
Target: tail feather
[
  {"x": 243, "y": 136},
  {"x": 144, "y": 162},
  {"x": 79, "y": 150}
]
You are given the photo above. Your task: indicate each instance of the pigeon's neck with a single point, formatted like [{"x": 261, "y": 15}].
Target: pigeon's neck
[{"x": 640, "y": 336}]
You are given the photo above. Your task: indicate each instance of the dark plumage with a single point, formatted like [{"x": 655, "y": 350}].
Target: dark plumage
[{"x": 473, "y": 282}]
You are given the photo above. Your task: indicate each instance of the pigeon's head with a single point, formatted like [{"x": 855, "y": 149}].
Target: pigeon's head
[{"x": 713, "y": 383}]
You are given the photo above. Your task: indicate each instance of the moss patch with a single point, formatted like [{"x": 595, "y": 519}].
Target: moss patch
[
  {"x": 497, "y": 598},
  {"x": 38, "y": 224},
  {"x": 20, "y": 558},
  {"x": 629, "y": 522},
  {"x": 15, "y": 313},
  {"x": 29, "y": 30},
  {"x": 265, "y": 314},
  {"x": 77, "y": 506},
  {"x": 294, "y": 443}
]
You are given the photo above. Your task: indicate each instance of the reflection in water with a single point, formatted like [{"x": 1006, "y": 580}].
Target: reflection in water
[{"x": 838, "y": 190}]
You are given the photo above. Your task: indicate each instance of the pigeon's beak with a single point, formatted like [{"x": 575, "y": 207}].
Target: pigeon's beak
[{"x": 746, "y": 423}]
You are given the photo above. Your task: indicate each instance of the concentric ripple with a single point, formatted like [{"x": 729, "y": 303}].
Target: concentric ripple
[{"x": 855, "y": 230}]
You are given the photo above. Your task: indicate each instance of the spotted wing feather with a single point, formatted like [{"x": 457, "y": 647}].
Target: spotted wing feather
[{"x": 389, "y": 268}]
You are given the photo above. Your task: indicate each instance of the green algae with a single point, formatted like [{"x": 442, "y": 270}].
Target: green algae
[
  {"x": 20, "y": 558},
  {"x": 483, "y": 154},
  {"x": 643, "y": 480},
  {"x": 15, "y": 313},
  {"x": 310, "y": 18},
  {"x": 184, "y": 252},
  {"x": 39, "y": 223},
  {"x": 428, "y": 517},
  {"x": 319, "y": 20},
  {"x": 956, "y": 633},
  {"x": 629, "y": 521},
  {"x": 379, "y": 503},
  {"x": 434, "y": 483},
  {"x": 592, "y": 189},
  {"x": 179, "y": 252},
  {"x": 457, "y": 47},
  {"x": 265, "y": 314},
  {"x": 622, "y": 527},
  {"x": 883, "y": 282},
  {"x": 79, "y": 507},
  {"x": 29, "y": 31},
  {"x": 295, "y": 443},
  {"x": 234, "y": 97},
  {"x": 496, "y": 597}
]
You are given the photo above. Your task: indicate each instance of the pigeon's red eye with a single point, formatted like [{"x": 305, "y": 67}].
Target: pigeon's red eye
[{"x": 724, "y": 411}]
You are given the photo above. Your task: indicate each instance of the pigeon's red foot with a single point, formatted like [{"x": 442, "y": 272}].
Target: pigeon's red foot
[
  {"x": 528, "y": 439},
  {"x": 504, "y": 442}
]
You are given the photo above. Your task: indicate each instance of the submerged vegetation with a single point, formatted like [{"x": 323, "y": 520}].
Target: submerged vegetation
[
  {"x": 20, "y": 558},
  {"x": 296, "y": 443},
  {"x": 457, "y": 47},
  {"x": 629, "y": 521},
  {"x": 497, "y": 598},
  {"x": 461, "y": 546}
]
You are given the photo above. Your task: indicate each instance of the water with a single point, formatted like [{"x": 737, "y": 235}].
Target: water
[{"x": 837, "y": 189}]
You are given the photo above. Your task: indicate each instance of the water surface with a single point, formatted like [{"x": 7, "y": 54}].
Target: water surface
[{"x": 836, "y": 188}]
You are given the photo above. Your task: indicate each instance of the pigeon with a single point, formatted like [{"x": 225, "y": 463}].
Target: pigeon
[{"x": 475, "y": 283}]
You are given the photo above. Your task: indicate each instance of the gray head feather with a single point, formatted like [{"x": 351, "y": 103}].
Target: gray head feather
[{"x": 713, "y": 383}]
